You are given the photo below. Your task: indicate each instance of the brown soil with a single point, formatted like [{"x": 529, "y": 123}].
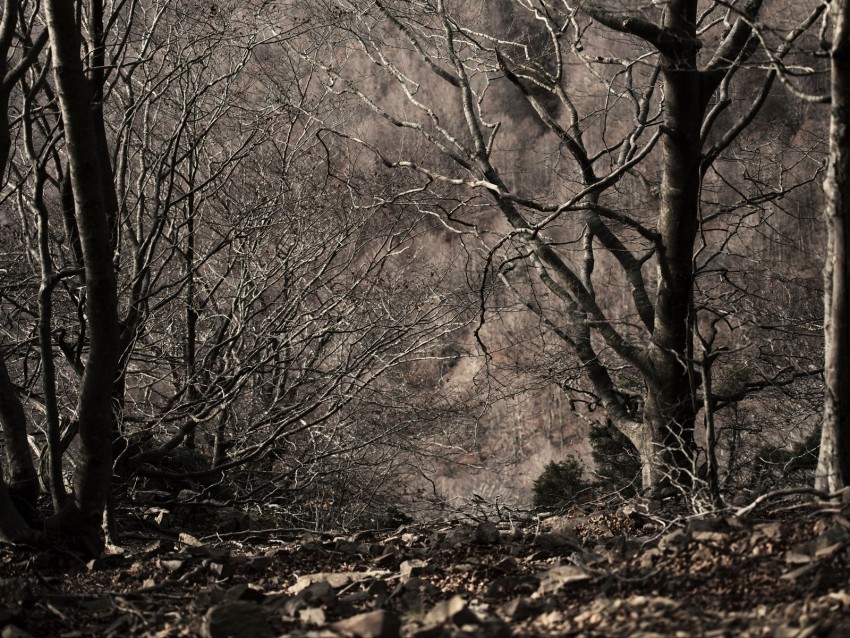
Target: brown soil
[{"x": 783, "y": 570}]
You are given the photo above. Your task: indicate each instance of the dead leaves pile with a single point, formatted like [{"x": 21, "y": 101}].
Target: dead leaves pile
[{"x": 615, "y": 573}]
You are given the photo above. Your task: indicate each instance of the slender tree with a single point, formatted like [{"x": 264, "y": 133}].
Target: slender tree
[
  {"x": 214, "y": 285},
  {"x": 834, "y": 463},
  {"x": 94, "y": 472},
  {"x": 22, "y": 492}
]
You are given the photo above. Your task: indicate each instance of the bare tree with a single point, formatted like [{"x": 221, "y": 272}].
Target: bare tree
[
  {"x": 245, "y": 304},
  {"x": 667, "y": 84}
]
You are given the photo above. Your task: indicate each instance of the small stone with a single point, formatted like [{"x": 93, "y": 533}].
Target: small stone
[
  {"x": 245, "y": 592},
  {"x": 520, "y": 609},
  {"x": 413, "y": 568},
  {"x": 170, "y": 565},
  {"x": 562, "y": 539},
  {"x": 453, "y": 610},
  {"x": 486, "y": 533},
  {"x": 13, "y": 631},
  {"x": 313, "y": 616},
  {"x": 373, "y": 624},
  {"x": 238, "y": 618}
]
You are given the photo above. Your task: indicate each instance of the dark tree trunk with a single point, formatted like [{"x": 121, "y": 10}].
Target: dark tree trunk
[
  {"x": 56, "y": 481},
  {"x": 97, "y": 79},
  {"x": 669, "y": 412},
  {"x": 94, "y": 472},
  {"x": 23, "y": 482},
  {"x": 13, "y": 526}
]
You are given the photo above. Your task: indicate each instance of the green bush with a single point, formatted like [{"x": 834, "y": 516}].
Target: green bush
[
  {"x": 617, "y": 468},
  {"x": 560, "y": 485}
]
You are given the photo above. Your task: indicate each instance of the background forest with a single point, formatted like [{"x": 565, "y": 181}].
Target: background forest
[{"x": 341, "y": 264}]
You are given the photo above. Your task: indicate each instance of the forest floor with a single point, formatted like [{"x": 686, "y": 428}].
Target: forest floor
[{"x": 780, "y": 569}]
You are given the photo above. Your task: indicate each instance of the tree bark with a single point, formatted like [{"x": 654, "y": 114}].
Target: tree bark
[
  {"x": 94, "y": 472},
  {"x": 834, "y": 462},
  {"x": 23, "y": 484},
  {"x": 13, "y": 526},
  {"x": 45, "y": 339},
  {"x": 97, "y": 79},
  {"x": 669, "y": 412},
  {"x": 7, "y": 33}
]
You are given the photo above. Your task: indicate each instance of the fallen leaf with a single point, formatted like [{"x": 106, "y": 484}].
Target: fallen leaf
[
  {"x": 555, "y": 578},
  {"x": 373, "y": 624}
]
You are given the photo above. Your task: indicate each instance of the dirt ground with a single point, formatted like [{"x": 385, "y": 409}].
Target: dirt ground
[{"x": 641, "y": 569}]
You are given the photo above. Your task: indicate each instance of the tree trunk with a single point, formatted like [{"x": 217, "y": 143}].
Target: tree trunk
[
  {"x": 55, "y": 452},
  {"x": 97, "y": 78},
  {"x": 13, "y": 526},
  {"x": 23, "y": 485},
  {"x": 669, "y": 412},
  {"x": 94, "y": 472},
  {"x": 834, "y": 462}
]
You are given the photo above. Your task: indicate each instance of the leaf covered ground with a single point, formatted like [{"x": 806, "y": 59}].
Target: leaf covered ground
[{"x": 781, "y": 569}]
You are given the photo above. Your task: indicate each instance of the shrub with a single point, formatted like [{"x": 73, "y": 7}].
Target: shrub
[
  {"x": 617, "y": 470},
  {"x": 560, "y": 485}
]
